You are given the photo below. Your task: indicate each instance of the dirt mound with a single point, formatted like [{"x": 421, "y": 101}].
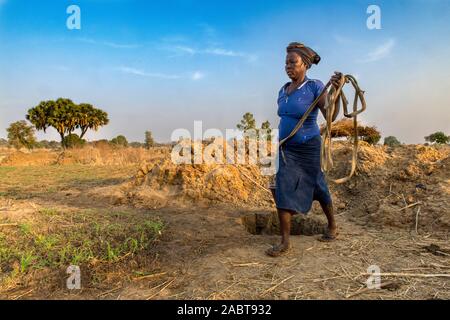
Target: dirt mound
[
  {"x": 202, "y": 183},
  {"x": 406, "y": 186},
  {"x": 393, "y": 187}
]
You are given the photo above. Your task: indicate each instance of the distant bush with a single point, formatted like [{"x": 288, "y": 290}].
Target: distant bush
[
  {"x": 120, "y": 141},
  {"x": 48, "y": 144},
  {"x": 73, "y": 141},
  {"x": 137, "y": 145},
  {"x": 20, "y": 134},
  {"x": 391, "y": 141},
  {"x": 149, "y": 141},
  {"x": 438, "y": 137}
]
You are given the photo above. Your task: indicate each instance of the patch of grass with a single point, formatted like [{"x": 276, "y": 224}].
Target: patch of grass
[
  {"x": 25, "y": 228},
  {"x": 48, "y": 211},
  {"x": 99, "y": 236},
  {"x": 51, "y": 189},
  {"x": 6, "y": 251},
  {"x": 32, "y": 181},
  {"x": 52, "y": 238},
  {"x": 26, "y": 260}
]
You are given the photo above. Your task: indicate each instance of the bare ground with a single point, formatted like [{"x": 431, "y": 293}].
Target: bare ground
[{"x": 206, "y": 251}]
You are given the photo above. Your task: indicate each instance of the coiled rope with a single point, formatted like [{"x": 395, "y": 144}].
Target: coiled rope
[{"x": 334, "y": 96}]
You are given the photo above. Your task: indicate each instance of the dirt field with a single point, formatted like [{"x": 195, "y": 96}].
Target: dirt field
[{"x": 140, "y": 227}]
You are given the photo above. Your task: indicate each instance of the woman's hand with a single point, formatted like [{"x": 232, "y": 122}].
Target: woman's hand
[{"x": 336, "y": 79}]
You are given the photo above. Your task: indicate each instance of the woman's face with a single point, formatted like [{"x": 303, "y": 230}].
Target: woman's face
[{"x": 295, "y": 67}]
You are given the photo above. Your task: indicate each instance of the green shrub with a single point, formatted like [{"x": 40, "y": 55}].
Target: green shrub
[{"x": 73, "y": 141}]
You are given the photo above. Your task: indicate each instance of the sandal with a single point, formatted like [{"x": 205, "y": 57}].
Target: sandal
[
  {"x": 328, "y": 237},
  {"x": 277, "y": 250}
]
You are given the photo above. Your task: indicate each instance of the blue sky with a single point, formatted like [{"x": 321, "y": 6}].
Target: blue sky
[{"x": 160, "y": 65}]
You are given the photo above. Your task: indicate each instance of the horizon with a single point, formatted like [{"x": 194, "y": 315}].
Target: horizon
[{"x": 161, "y": 67}]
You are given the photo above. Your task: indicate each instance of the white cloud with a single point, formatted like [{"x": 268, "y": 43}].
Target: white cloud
[
  {"x": 181, "y": 50},
  {"x": 224, "y": 52},
  {"x": 340, "y": 39},
  {"x": 230, "y": 53},
  {"x": 138, "y": 72},
  {"x": 380, "y": 52},
  {"x": 186, "y": 49},
  {"x": 197, "y": 75},
  {"x": 109, "y": 44},
  {"x": 121, "y": 46}
]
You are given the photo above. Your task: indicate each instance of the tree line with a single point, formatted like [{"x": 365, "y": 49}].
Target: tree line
[{"x": 66, "y": 117}]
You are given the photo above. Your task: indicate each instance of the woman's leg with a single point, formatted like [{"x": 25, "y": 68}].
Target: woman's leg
[
  {"x": 332, "y": 228},
  {"x": 285, "y": 230},
  {"x": 285, "y": 227}
]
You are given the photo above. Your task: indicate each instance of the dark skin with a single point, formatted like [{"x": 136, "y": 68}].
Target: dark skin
[{"x": 296, "y": 71}]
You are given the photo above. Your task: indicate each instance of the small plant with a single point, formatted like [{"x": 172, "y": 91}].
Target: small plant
[
  {"x": 26, "y": 260},
  {"x": 25, "y": 228}
]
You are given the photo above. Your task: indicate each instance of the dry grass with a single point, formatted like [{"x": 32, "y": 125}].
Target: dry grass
[
  {"x": 55, "y": 215},
  {"x": 44, "y": 229},
  {"x": 102, "y": 155},
  {"x": 49, "y": 240}
]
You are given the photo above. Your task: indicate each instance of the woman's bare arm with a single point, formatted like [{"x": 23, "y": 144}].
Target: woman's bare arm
[
  {"x": 321, "y": 104},
  {"x": 335, "y": 81}
]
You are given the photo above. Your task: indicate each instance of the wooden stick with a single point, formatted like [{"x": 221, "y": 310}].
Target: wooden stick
[
  {"x": 277, "y": 285},
  {"x": 410, "y": 205},
  {"x": 108, "y": 292},
  {"x": 23, "y": 294},
  {"x": 417, "y": 219},
  {"x": 325, "y": 279},
  {"x": 9, "y": 225},
  {"x": 400, "y": 274},
  {"x": 246, "y": 264},
  {"x": 154, "y": 275},
  {"x": 438, "y": 265},
  {"x": 360, "y": 291},
  {"x": 168, "y": 284}
]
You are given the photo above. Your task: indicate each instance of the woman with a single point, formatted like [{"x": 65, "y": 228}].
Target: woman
[{"x": 300, "y": 180}]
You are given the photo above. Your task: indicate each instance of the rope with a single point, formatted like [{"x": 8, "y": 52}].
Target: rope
[{"x": 333, "y": 98}]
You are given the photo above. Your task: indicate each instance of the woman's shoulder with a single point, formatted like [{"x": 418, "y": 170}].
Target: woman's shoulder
[
  {"x": 317, "y": 82},
  {"x": 284, "y": 87},
  {"x": 317, "y": 85}
]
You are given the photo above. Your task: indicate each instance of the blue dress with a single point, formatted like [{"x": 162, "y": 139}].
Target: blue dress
[{"x": 300, "y": 180}]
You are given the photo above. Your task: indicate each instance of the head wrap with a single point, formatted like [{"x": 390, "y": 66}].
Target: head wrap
[{"x": 308, "y": 55}]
